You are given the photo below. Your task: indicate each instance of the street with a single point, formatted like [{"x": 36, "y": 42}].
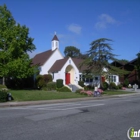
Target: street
[{"x": 102, "y": 119}]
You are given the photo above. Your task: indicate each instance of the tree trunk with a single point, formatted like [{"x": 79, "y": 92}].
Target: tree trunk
[{"x": 3, "y": 80}]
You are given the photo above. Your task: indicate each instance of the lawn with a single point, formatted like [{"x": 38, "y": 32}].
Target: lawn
[
  {"x": 116, "y": 92},
  {"x": 34, "y": 95}
]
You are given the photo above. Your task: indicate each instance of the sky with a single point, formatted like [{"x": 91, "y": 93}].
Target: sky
[{"x": 79, "y": 22}]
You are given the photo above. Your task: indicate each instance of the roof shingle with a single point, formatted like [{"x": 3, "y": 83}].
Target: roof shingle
[
  {"x": 41, "y": 58},
  {"x": 57, "y": 66}
]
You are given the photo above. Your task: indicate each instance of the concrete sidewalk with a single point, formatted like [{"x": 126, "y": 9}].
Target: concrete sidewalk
[{"x": 26, "y": 103}]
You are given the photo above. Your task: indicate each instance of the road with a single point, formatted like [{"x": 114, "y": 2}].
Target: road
[{"x": 103, "y": 119}]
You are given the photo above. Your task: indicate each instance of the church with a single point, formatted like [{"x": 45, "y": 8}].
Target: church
[{"x": 66, "y": 68}]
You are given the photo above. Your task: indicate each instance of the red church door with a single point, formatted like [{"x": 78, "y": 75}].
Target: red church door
[
  {"x": 103, "y": 79},
  {"x": 67, "y": 78}
]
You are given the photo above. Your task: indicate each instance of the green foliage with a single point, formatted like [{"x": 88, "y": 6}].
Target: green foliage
[
  {"x": 81, "y": 83},
  {"x": 47, "y": 78},
  {"x": 59, "y": 83},
  {"x": 71, "y": 51},
  {"x": 2, "y": 86},
  {"x": 14, "y": 47},
  {"x": 88, "y": 87},
  {"x": 99, "y": 57},
  {"x": 51, "y": 86},
  {"x": 120, "y": 86},
  {"x": 123, "y": 61},
  {"x": 43, "y": 80},
  {"x": 3, "y": 96},
  {"x": 78, "y": 90},
  {"x": 126, "y": 82},
  {"x": 105, "y": 85},
  {"x": 113, "y": 86},
  {"x": 64, "y": 89},
  {"x": 137, "y": 67},
  {"x": 40, "y": 81}
]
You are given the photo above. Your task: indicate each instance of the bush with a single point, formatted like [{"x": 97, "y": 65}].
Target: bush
[
  {"x": 3, "y": 96},
  {"x": 40, "y": 81},
  {"x": 47, "y": 78},
  {"x": 112, "y": 85},
  {"x": 59, "y": 83},
  {"x": 105, "y": 85},
  {"x": 64, "y": 89},
  {"x": 2, "y": 86},
  {"x": 126, "y": 83},
  {"x": 88, "y": 87},
  {"x": 119, "y": 86},
  {"x": 51, "y": 86},
  {"x": 78, "y": 90},
  {"x": 81, "y": 83}
]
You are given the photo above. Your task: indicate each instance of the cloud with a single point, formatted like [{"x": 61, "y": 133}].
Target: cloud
[
  {"x": 104, "y": 21},
  {"x": 75, "y": 28}
]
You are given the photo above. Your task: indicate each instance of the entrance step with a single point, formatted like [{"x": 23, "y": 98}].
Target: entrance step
[{"x": 74, "y": 87}]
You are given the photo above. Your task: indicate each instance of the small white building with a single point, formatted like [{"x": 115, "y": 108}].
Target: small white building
[{"x": 52, "y": 62}]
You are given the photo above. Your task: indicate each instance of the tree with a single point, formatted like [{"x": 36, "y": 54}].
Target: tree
[
  {"x": 138, "y": 65},
  {"x": 99, "y": 57},
  {"x": 71, "y": 51},
  {"x": 123, "y": 61},
  {"x": 14, "y": 46}
]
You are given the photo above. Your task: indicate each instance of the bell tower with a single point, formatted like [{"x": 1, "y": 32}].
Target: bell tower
[{"x": 55, "y": 42}]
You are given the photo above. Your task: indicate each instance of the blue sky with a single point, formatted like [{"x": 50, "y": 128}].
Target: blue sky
[{"x": 79, "y": 22}]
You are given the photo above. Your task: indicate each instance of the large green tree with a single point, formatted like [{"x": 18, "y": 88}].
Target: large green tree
[
  {"x": 138, "y": 65},
  {"x": 15, "y": 44},
  {"x": 99, "y": 57},
  {"x": 71, "y": 51}
]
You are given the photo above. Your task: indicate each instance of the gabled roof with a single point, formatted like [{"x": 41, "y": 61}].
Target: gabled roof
[
  {"x": 77, "y": 62},
  {"x": 55, "y": 38},
  {"x": 57, "y": 66},
  {"x": 41, "y": 58}
]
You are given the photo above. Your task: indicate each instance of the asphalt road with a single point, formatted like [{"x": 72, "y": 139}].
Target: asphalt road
[{"x": 105, "y": 119}]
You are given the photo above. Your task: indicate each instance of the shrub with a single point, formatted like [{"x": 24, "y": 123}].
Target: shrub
[
  {"x": 112, "y": 85},
  {"x": 47, "y": 78},
  {"x": 40, "y": 81},
  {"x": 2, "y": 86},
  {"x": 3, "y": 96},
  {"x": 88, "y": 87},
  {"x": 78, "y": 90},
  {"x": 89, "y": 93},
  {"x": 59, "y": 83},
  {"x": 119, "y": 86},
  {"x": 51, "y": 86},
  {"x": 105, "y": 85},
  {"x": 64, "y": 89},
  {"x": 81, "y": 83},
  {"x": 126, "y": 83}
]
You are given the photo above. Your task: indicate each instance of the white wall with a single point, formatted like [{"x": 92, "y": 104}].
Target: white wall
[
  {"x": 61, "y": 74},
  {"x": 55, "y": 56}
]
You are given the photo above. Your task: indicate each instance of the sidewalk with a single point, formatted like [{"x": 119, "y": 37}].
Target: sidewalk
[{"x": 26, "y": 103}]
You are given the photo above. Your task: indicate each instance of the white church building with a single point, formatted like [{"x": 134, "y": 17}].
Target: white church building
[{"x": 52, "y": 62}]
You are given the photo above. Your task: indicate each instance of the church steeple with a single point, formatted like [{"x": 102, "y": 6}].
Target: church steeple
[{"x": 55, "y": 42}]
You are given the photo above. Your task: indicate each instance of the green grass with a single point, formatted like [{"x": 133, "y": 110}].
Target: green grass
[
  {"x": 34, "y": 95},
  {"x": 116, "y": 92}
]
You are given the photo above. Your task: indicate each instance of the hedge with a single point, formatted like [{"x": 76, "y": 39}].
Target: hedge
[{"x": 3, "y": 96}]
